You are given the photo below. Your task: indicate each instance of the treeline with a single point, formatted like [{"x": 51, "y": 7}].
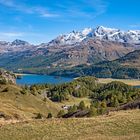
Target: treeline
[
  {"x": 81, "y": 87},
  {"x": 101, "y": 70},
  {"x": 103, "y": 96},
  {"x": 112, "y": 69},
  {"x": 113, "y": 94},
  {"x": 81, "y": 110}
]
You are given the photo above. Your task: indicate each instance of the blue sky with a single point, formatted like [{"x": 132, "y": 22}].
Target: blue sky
[{"x": 40, "y": 21}]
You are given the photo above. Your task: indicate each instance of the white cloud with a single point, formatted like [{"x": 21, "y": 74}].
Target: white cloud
[
  {"x": 82, "y": 8},
  {"x": 66, "y": 9},
  {"x": 7, "y": 3},
  {"x": 31, "y": 37},
  {"x": 134, "y": 26},
  {"x": 41, "y": 11},
  {"x": 49, "y": 15},
  {"x": 11, "y": 34}
]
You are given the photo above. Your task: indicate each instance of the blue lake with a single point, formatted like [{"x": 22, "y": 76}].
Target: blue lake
[
  {"x": 30, "y": 79},
  {"x": 137, "y": 86}
]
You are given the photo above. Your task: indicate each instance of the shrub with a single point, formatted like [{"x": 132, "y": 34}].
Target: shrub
[
  {"x": 49, "y": 115},
  {"x": 23, "y": 91},
  {"x": 82, "y": 105},
  {"x": 61, "y": 113},
  {"x": 45, "y": 99},
  {"x": 72, "y": 109},
  {"x": 39, "y": 116},
  {"x": 92, "y": 111},
  {"x": 6, "y": 89},
  {"x": 3, "y": 81}
]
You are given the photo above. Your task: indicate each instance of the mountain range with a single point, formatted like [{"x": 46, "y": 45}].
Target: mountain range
[
  {"x": 101, "y": 33},
  {"x": 125, "y": 67},
  {"x": 76, "y": 37},
  {"x": 88, "y": 48}
]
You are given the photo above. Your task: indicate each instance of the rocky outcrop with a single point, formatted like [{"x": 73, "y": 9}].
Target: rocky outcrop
[{"x": 7, "y": 77}]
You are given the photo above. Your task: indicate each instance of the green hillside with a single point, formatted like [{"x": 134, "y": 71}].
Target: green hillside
[
  {"x": 123, "y": 68},
  {"x": 84, "y": 94}
]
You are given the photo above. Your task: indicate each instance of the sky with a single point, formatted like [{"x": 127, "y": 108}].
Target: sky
[{"x": 38, "y": 21}]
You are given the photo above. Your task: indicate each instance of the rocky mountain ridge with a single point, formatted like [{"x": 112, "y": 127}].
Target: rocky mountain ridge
[
  {"x": 76, "y": 37},
  {"x": 102, "y": 33},
  {"x": 87, "y": 47},
  {"x": 15, "y": 46}
]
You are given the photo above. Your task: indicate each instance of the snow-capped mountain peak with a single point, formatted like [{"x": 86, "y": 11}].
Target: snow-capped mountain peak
[
  {"x": 74, "y": 37},
  {"x": 112, "y": 34},
  {"x": 18, "y": 42},
  {"x": 71, "y": 38},
  {"x": 87, "y": 31},
  {"x": 15, "y": 46},
  {"x": 100, "y": 30}
]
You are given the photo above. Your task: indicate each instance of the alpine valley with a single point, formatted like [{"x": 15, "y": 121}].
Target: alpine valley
[{"x": 100, "y": 52}]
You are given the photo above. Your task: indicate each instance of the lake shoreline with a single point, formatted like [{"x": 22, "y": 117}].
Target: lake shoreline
[
  {"x": 21, "y": 74},
  {"x": 31, "y": 79},
  {"x": 132, "y": 82}
]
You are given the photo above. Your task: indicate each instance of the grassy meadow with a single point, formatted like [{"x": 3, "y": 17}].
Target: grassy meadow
[
  {"x": 122, "y": 125},
  {"x": 132, "y": 82},
  {"x": 24, "y": 106},
  {"x": 21, "y": 108},
  {"x": 76, "y": 101}
]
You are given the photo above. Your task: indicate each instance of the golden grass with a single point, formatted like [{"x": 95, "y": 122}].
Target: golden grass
[
  {"x": 122, "y": 125},
  {"x": 13, "y": 102},
  {"x": 73, "y": 100},
  {"x": 132, "y": 82}
]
